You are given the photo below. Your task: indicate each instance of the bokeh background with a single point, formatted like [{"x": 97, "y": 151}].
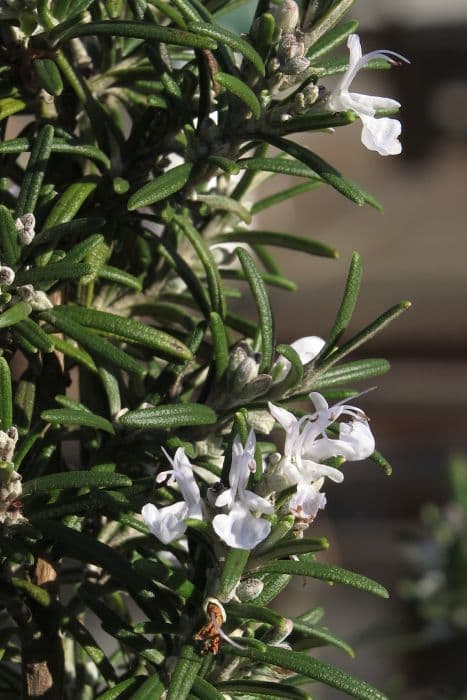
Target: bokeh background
[{"x": 417, "y": 250}]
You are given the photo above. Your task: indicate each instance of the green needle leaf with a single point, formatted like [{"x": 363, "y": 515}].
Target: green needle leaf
[
  {"x": 282, "y": 240},
  {"x": 127, "y": 329},
  {"x": 35, "y": 171},
  {"x": 311, "y": 668},
  {"x": 262, "y": 304},
  {"x": 207, "y": 260},
  {"x": 75, "y": 480},
  {"x": 241, "y": 90},
  {"x": 169, "y": 416},
  {"x": 184, "y": 674},
  {"x": 48, "y": 75},
  {"x": 161, "y": 187},
  {"x": 137, "y": 30},
  {"x": 220, "y": 345},
  {"x": 328, "y": 21},
  {"x": 206, "y": 691},
  {"x": 9, "y": 246},
  {"x": 348, "y": 303},
  {"x": 259, "y": 689},
  {"x": 365, "y": 334},
  {"x": 325, "y": 171},
  {"x": 64, "y": 416},
  {"x": 324, "y": 572},
  {"x": 233, "y": 41},
  {"x": 15, "y": 314},
  {"x": 331, "y": 39},
  {"x": 6, "y": 399},
  {"x": 92, "y": 342},
  {"x": 52, "y": 272},
  {"x": 151, "y": 689}
]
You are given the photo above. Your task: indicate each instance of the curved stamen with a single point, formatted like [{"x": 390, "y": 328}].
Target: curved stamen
[
  {"x": 385, "y": 54},
  {"x": 222, "y": 634}
]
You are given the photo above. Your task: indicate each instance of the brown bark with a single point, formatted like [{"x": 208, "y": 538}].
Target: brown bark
[{"x": 43, "y": 661}]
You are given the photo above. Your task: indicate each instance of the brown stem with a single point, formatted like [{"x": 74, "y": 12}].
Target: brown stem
[
  {"x": 43, "y": 660},
  {"x": 42, "y": 650}
]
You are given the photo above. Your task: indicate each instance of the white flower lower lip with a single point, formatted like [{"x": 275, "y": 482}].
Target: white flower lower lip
[
  {"x": 168, "y": 523},
  {"x": 239, "y": 528},
  {"x": 307, "y": 444},
  {"x": 378, "y": 134}
]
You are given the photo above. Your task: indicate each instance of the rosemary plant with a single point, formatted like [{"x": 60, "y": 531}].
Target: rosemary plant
[{"x": 161, "y": 457}]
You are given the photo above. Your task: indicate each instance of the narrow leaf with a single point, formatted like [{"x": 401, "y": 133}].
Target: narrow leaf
[
  {"x": 348, "y": 303},
  {"x": 184, "y": 674},
  {"x": 64, "y": 416},
  {"x": 331, "y": 39},
  {"x": 233, "y": 41},
  {"x": 329, "y": 174},
  {"x": 35, "y": 171},
  {"x": 9, "y": 246},
  {"x": 234, "y": 565},
  {"x": 328, "y": 21},
  {"x": 169, "y": 416},
  {"x": 161, "y": 187},
  {"x": 90, "y": 341},
  {"x": 282, "y": 240},
  {"x": 75, "y": 480},
  {"x": 139, "y": 30},
  {"x": 220, "y": 345},
  {"x": 365, "y": 334},
  {"x": 311, "y": 668},
  {"x": 120, "y": 690},
  {"x": 207, "y": 260},
  {"x": 241, "y": 90},
  {"x": 128, "y": 329},
  {"x": 151, "y": 689},
  {"x": 262, "y": 304},
  {"x": 259, "y": 689},
  {"x": 15, "y": 314},
  {"x": 30, "y": 330},
  {"x": 6, "y": 399},
  {"x": 206, "y": 691},
  {"x": 324, "y": 572},
  {"x": 52, "y": 272}
]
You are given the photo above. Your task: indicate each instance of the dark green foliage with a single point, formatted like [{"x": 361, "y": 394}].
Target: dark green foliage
[{"x": 123, "y": 196}]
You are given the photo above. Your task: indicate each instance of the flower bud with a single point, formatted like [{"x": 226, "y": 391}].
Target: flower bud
[
  {"x": 295, "y": 66},
  {"x": 249, "y": 589},
  {"x": 26, "y": 292},
  {"x": 310, "y": 94},
  {"x": 257, "y": 387},
  {"x": 7, "y": 276},
  {"x": 287, "y": 16},
  {"x": 38, "y": 299},
  {"x": 290, "y": 47},
  {"x": 25, "y": 226},
  {"x": 8, "y": 440},
  {"x": 243, "y": 367}
]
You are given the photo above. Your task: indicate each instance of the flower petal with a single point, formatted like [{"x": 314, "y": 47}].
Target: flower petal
[
  {"x": 307, "y": 349},
  {"x": 306, "y": 502},
  {"x": 239, "y": 529},
  {"x": 312, "y": 471},
  {"x": 369, "y": 104},
  {"x": 356, "y": 441},
  {"x": 167, "y": 524},
  {"x": 381, "y": 135},
  {"x": 285, "y": 418},
  {"x": 256, "y": 503}
]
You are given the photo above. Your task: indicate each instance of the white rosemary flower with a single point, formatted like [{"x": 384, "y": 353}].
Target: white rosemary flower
[
  {"x": 378, "y": 134},
  {"x": 168, "y": 523},
  {"x": 240, "y": 528}
]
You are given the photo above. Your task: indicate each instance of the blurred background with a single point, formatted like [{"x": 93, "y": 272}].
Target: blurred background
[{"x": 417, "y": 250}]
